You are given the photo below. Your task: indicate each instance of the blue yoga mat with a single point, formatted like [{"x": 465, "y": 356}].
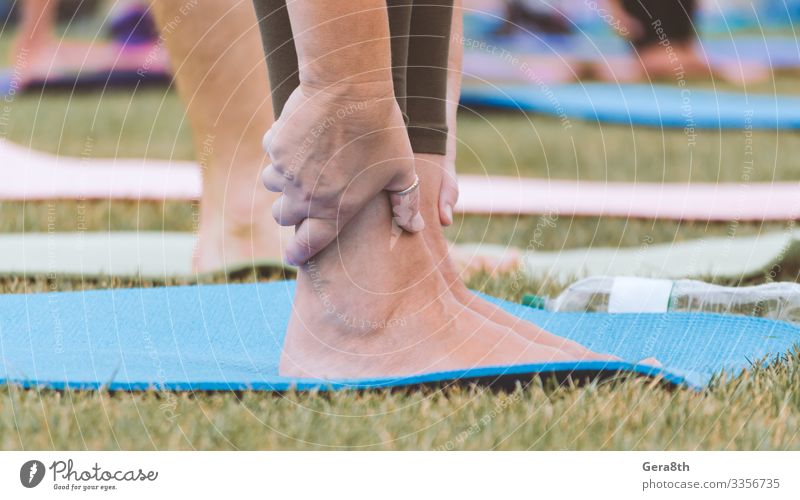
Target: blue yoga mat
[
  {"x": 637, "y": 104},
  {"x": 229, "y": 337},
  {"x": 771, "y": 50}
]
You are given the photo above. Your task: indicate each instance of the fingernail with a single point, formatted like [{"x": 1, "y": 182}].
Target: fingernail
[
  {"x": 265, "y": 142},
  {"x": 290, "y": 260},
  {"x": 448, "y": 215}
]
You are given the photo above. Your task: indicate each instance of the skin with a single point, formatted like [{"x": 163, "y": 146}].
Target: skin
[
  {"x": 655, "y": 63},
  {"x": 439, "y": 171},
  {"x": 356, "y": 316},
  {"x": 38, "y": 52},
  {"x": 226, "y": 122},
  {"x": 375, "y": 302},
  {"x": 341, "y": 138}
]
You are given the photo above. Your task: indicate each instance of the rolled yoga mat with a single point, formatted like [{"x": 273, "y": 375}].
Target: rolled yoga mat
[
  {"x": 641, "y": 104},
  {"x": 32, "y": 175},
  {"x": 156, "y": 255},
  {"x": 229, "y": 337}
]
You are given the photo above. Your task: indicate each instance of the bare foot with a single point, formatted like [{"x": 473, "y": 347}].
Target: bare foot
[
  {"x": 622, "y": 69},
  {"x": 226, "y": 94},
  {"x": 41, "y": 59},
  {"x": 431, "y": 170},
  {"x": 685, "y": 62},
  {"x": 227, "y": 242},
  {"x": 741, "y": 73},
  {"x": 366, "y": 309},
  {"x": 235, "y": 228}
]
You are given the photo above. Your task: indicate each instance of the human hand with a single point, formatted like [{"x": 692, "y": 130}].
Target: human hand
[{"x": 332, "y": 150}]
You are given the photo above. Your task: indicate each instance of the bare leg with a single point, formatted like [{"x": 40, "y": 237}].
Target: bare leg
[
  {"x": 684, "y": 61},
  {"x": 364, "y": 308},
  {"x": 36, "y": 27},
  {"x": 38, "y": 53},
  {"x": 436, "y": 171},
  {"x": 221, "y": 77}
]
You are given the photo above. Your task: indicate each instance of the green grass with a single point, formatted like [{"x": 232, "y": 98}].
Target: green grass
[{"x": 759, "y": 410}]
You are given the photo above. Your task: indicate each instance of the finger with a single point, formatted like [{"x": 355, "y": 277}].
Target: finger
[
  {"x": 289, "y": 213},
  {"x": 266, "y": 141},
  {"x": 448, "y": 196},
  {"x": 405, "y": 211},
  {"x": 273, "y": 180},
  {"x": 311, "y": 236},
  {"x": 403, "y": 179}
]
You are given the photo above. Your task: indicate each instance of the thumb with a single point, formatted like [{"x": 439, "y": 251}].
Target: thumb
[
  {"x": 448, "y": 196},
  {"x": 405, "y": 209},
  {"x": 266, "y": 141}
]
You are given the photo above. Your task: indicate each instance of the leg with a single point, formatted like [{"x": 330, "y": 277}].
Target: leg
[
  {"x": 35, "y": 39},
  {"x": 364, "y": 308},
  {"x": 36, "y": 27},
  {"x": 666, "y": 41},
  {"x": 374, "y": 304},
  {"x": 222, "y": 79},
  {"x": 39, "y": 54},
  {"x": 437, "y": 174}
]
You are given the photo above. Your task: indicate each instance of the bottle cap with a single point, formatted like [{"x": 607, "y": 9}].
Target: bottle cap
[{"x": 534, "y": 301}]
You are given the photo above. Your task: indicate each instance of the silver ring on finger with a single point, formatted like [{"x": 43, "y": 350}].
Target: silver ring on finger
[{"x": 410, "y": 189}]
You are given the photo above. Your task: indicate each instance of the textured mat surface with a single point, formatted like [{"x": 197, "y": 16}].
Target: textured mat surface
[
  {"x": 224, "y": 337},
  {"x": 639, "y": 104}
]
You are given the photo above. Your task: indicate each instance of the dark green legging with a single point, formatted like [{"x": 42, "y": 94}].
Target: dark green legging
[{"x": 420, "y": 39}]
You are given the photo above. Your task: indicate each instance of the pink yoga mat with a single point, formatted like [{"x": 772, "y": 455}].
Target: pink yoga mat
[
  {"x": 32, "y": 175},
  {"x": 698, "y": 201},
  {"x": 537, "y": 70}
]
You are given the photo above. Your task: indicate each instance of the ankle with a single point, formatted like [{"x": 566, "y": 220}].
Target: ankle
[{"x": 361, "y": 275}]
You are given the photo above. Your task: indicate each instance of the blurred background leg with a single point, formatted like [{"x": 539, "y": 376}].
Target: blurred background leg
[{"x": 221, "y": 77}]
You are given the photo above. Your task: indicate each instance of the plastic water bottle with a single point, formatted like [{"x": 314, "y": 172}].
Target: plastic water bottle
[{"x": 622, "y": 294}]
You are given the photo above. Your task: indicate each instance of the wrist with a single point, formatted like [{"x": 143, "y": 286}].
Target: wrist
[{"x": 351, "y": 91}]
